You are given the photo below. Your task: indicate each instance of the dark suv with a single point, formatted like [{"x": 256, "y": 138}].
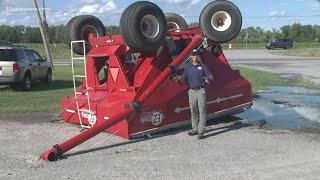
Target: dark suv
[
  {"x": 280, "y": 43},
  {"x": 20, "y": 65}
]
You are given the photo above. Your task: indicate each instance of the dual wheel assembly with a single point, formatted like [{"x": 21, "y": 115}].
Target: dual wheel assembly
[{"x": 144, "y": 27}]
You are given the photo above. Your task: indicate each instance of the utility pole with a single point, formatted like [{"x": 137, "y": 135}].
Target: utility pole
[
  {"x": 44, "y": 39},
  {"x": 45, "y": 23}
]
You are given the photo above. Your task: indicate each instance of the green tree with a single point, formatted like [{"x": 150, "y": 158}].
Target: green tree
[
  {"x": 112, "y": 30},
  {"x": 285, "y": 31},
  {"x": 32, "y": 35}
]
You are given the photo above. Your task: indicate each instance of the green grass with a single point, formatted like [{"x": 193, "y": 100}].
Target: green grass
[
  {"x": 47, "y": 98},
  {"x": 259, "y": 79},
  {"x": 42, "y": 97},
  {"x": 299, "y": 52},
  {"x": 57, "y": 50}
]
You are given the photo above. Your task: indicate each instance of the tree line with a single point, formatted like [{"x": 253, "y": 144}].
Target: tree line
[
  {"x": 297, "y": 32},
  {"x": 28, "y": 34}
]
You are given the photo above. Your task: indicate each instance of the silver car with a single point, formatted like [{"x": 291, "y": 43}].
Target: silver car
[{"x": 20, "y": 65}]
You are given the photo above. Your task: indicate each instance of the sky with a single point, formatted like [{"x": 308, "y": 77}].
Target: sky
[{"x": 267, "y": 14}]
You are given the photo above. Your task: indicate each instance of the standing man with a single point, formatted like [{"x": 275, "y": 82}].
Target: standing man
[{"x": 197, "y": 75}]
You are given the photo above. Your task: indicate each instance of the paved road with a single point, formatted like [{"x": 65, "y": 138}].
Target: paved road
[
  {"x": 307, "y": 67},
  {"x": 64, "y": 61}
]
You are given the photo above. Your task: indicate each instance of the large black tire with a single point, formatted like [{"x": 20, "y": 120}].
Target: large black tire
[
  {"x": 288, "y": 47},
  {"x": 26, "y": 82},
  {"x": 220, "y": 21},
  {"x": 143, "y": 26},
  {"x": 49, "y": 76},
  {"x": 67, "y": 32},
  {"x": 175, "y": 21},
  {"x": 79, "y": 28}
]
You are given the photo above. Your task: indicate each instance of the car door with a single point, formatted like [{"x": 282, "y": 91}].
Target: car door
[
  {"x": 33, "y": 65},
  {"x": 41, "y": 65},
  {"x": 282, "y": 43}
]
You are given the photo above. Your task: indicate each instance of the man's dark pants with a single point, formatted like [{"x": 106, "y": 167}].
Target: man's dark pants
[{"x": 197, "y": 102}]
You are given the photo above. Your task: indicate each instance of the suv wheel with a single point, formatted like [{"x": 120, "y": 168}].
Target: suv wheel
[
  {"x": 271, "y": 47},
  {"x": 288, "y": 47},
  {"x": 26, "y": 83},
  {"x": 49, "y": 77}
]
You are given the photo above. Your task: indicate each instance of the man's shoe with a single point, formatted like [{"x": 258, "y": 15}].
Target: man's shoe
[
  {"x": 200, "y": 136},
  {"x": 192, "y": 133}
]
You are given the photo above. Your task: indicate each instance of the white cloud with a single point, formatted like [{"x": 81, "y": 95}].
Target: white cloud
[
  {"x": 110, "y": 6},
  {"x": 3, "y": 21},
  {"x": 276, "y": 13},
  {"x": 316, "y": 6},
  {"x": 88, "y": 1},
  {"x": 89, "y": 8},
  {"x": 180, "y": 2},
  {"x": 104, "y": 7},
  {"x": 27, "y": 18}
]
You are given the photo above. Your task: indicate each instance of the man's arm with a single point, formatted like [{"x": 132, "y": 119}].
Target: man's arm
[
  {"x": 207, "y": 74},
  {"x": 182, "y": 79}
]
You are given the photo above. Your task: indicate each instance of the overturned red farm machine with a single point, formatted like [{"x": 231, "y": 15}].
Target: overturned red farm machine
[{"x": 132, "y": 97}]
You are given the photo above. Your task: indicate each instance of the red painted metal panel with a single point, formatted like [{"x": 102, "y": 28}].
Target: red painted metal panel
[{"x": 146, "y": 81}]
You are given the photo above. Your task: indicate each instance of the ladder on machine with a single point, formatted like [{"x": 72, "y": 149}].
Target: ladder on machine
[{"x": 82, "y": 113}]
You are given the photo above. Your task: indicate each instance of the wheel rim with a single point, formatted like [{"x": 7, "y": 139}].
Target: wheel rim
[
  {"x": 150, "y": 26},
  {"x": 86, "y": 30},
  {"x": 221, "y": 21},
  {"x": 173, "y": 25},
  {"x": 28, "y": 83}
]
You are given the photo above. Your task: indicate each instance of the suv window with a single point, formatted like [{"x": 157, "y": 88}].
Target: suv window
[
  {"x": 36, "y": 56},
  {"x": 30, "y": 55},
  {"x": 20, "y": 55},
  {"x": 6, "y": 55}
]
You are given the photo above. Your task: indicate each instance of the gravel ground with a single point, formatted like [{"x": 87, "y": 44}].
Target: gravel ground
[{"x": 232, "y": 150}]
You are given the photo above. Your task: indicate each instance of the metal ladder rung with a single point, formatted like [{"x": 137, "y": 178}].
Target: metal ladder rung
[
  {"x": 76, "y": 58},
  {"x": 85, "y": 110},
  {"x": 79, "y": 76},
  {"x": 70, "y": 111},
  {"x": 80, "y": 111}
]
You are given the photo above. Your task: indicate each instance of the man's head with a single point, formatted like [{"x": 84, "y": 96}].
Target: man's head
[{"x": 195, "y": 56}]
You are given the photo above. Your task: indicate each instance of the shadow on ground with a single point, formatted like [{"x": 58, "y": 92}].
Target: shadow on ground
[{"x": 228, "y": 123}]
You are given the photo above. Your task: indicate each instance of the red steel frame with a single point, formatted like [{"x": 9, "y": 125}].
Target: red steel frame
[{"x": 141, "y": 98}]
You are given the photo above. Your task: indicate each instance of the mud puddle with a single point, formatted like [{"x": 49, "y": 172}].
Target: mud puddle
[{"x": 281, "y": 107}]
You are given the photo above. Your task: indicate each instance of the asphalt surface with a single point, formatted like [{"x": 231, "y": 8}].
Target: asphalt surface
[{"x": 307, "y": 67}]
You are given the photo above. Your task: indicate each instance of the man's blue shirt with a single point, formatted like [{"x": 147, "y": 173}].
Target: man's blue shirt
[{"x": 194, "y": 75}]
